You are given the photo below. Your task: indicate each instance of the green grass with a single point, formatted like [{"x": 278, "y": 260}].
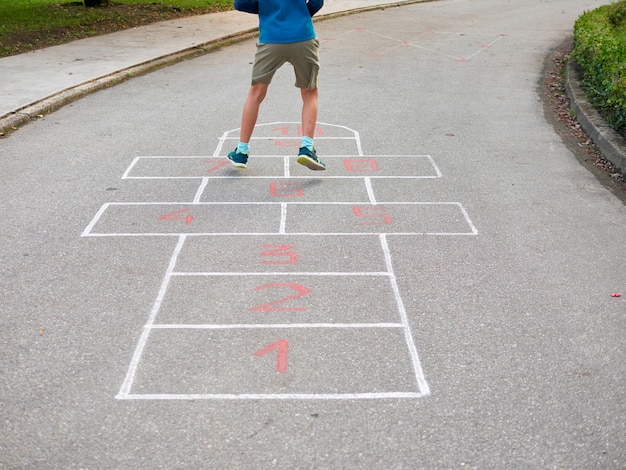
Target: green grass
[{"x": 30, "y": 24}]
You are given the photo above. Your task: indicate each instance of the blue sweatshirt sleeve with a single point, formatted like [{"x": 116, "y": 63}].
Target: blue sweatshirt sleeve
[
  {"x": 249, "y": 6},
  {"x": 314, "y": 6}
]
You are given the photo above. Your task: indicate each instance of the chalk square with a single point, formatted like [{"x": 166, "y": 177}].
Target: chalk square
[
  {"x": 316, "y": 361},
  {"x": 267, "y": 299}
]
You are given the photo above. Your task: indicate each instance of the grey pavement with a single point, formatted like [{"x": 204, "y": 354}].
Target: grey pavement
[
  {"x": 42, "y": 80},
  {"x": 440, "y": 297}
]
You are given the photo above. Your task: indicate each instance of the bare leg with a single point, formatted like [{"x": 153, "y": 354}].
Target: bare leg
[
  {"x": 309, "y": 111},
  {"x": 256, "y": 95}
]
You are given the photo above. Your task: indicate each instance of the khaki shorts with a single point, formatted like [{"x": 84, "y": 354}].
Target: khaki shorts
[{"x": 304, "y": 56}]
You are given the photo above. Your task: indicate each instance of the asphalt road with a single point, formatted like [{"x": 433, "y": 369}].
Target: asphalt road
[{"x": 439, "y": 297}]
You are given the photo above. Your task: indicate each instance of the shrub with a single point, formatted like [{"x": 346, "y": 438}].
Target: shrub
[{"x": 600, "y": 51}]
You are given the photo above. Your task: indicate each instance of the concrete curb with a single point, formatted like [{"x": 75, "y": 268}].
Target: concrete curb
[
  {"x": 12, "y": 121},
  {"x": 610, "y": 143},
  {"x": 22, "y": 116}
]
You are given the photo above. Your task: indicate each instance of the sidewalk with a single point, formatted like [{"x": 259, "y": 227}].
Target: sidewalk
[{"x": 43, "y": 80}]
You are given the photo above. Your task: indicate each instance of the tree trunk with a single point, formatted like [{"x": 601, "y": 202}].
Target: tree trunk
[{"x": 95, "y": 3}]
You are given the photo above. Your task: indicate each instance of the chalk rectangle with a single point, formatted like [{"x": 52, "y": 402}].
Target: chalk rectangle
[
  {"x": 128, "y": 219},
  {"x": 316, "y": 363},
  {"x": 272, "y": 164},
  {"x": 282, "y": 254},
  {"x": 294, "y": 298}
]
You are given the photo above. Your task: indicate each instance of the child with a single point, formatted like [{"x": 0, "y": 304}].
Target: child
[{"x": 286, "y": 35}]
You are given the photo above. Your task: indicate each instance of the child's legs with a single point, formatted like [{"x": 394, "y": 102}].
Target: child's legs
[
  {"x": 256, "y": 95},
  {"x": 267, "y": 60},
  {"x": 309, "y": 111},
  {"x": 306, "y": 63}
]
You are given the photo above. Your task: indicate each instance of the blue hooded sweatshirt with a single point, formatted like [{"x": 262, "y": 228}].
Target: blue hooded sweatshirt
[{"x": 283, "y": 21}]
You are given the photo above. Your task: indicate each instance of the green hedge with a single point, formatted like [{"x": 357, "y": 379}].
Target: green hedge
[{"x": 600, "y": 51}]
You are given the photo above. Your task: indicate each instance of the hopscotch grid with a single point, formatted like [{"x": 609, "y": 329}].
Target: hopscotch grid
[
  {"x": 422, "y": 386},
  {"x": 434, "y": 51}
]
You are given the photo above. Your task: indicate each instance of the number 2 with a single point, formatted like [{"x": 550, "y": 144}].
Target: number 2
[{"x": 301, "y": 291}]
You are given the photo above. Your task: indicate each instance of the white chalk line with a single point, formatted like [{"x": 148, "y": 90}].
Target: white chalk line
[
  {"x": 256, "y": 234},
  {"x": 272, "y": 396},
  {"x": 268, "y": 326},
  {"x": 143, "y": 339},
  {"x": 417, "y": 367},
  {"x": 198, "y": 196},
  {"x": 278, "y": 203},
  {"x": 277, "y": 178},
  {"x": 370, "y": 191},
  {"x": 281, "y": 273}
]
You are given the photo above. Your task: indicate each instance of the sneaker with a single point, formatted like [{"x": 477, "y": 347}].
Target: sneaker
[
  {"x": 310, "y": 159},
  {"x": 239, "y": 160}
]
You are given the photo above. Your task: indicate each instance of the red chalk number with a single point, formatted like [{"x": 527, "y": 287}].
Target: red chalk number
[
  {"x": 300, "y": 290},
  {"x": 372, "y": 215},
  {"x": 279, "y": 251},
  {"x": 361, "y": 165},
  {"x": 286, "y": 190},
  {"x": 282, "y": 347},
  {"x": 178, "y": 215}
]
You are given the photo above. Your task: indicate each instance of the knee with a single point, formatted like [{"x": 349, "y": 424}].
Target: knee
[
  {"x": 308, "y": 94},
  {"x": 257, "y": 92}
]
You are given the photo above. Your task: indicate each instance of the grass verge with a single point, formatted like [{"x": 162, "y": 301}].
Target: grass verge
[{"x": 26, "y": 25}]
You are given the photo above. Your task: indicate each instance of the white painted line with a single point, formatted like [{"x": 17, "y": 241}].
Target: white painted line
[
  {"x": 198, "y": 195},
  {"x": 434, "y": 165},
  {"x": 250, "y": 234},
  {"x": 482, "y": 49},
  {"x": 294, "y": 203},
  {"x": 274, "y": 155},
  {"x": 271, "y": 396},
  {"x": 287, "y": 137},
  {"x": 244, "y": 177},
  {"x": 283, "y": 217},
  {"x": 281, "y": 273},
  {"x": 467, "y": 219},
  {"x": 419, "y": 373},
  {"x": 134, "y": 363},
  {"x": 252, "y": 326},
  {"x": 128, "y": 170},
  {"x": 370, "y": 191},
  {"x": 94, "y": 221},
  {"x": 220, "y": 143}
]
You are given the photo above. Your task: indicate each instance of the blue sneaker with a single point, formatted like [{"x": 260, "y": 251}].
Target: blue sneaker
[
  {"x": 310, "y": 159},
  {"x": 239, "y": 160}
]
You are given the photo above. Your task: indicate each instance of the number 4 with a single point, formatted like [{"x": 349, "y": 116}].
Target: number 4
[
  {"x": 177, "y": 215},
  {"x": 376, "y": 215}
]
